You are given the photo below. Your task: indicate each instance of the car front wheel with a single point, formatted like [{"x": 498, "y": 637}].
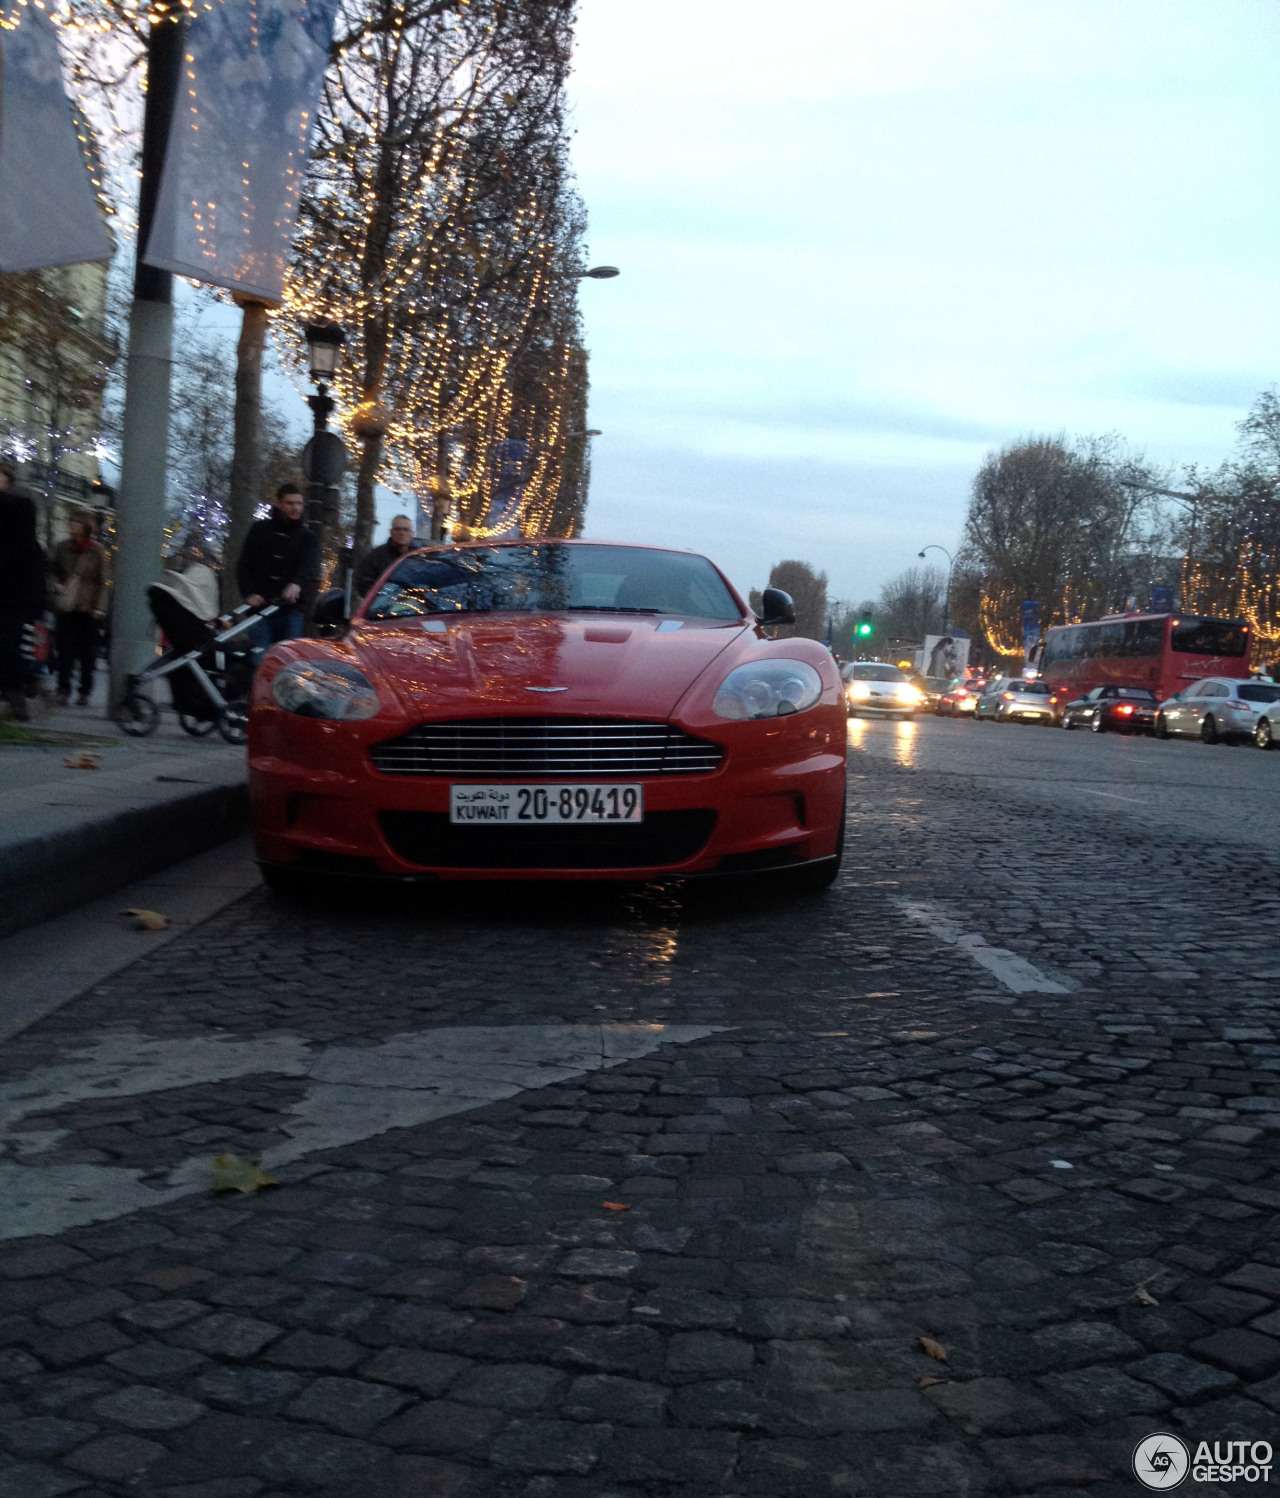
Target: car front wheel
[
  {"x": 1263, "y": 736},
  {"x": 1097, "y": 725},
  {"x": 1208, "y": 731},
  {"x": 1068, "y": 722}
]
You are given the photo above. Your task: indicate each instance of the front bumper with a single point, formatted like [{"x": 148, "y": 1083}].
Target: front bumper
[{"x": 319, "y": 805}]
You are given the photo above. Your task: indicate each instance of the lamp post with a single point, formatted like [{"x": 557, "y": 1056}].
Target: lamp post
[
  {"x": 951, "y": 567},
  {"x": 324, "y": 459}
]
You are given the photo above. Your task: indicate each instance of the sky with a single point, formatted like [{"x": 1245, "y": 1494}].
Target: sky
[{"x": 865, "y": 242}]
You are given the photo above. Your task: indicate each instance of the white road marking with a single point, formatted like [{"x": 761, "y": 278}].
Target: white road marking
[
  {"x": 1016, "y": 973},
  {"x": 1113, "y": 795},
  {"x": 354, "y": 1092}
]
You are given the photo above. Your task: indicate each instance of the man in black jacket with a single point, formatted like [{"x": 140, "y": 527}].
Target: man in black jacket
[
  {"x": 21, "y": 587},
  {"x": 381, "y": 557},
  {"x": 279, "y": 563}
]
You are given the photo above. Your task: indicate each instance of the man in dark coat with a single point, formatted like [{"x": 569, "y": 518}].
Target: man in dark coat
[
  {"x": 21, "y": 587},
  {"x": 381, "y": 557},
  {"x": 279, "y": 563}
]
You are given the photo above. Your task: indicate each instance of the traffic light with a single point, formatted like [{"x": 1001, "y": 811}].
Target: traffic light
[{"x": 865, "y": 627}]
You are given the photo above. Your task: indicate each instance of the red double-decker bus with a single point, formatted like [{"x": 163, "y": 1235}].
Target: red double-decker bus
[{"x": 1163, "y": 652}]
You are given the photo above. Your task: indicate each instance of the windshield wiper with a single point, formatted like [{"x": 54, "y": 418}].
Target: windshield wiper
[{"x": 606, "y": 608}]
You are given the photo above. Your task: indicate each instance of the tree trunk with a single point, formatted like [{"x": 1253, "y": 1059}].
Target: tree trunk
[
  {"x": 247, "y": 455},
  {"x": 366, "y": 480}
]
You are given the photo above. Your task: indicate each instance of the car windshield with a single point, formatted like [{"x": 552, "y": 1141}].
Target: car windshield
[
  {"x": 1136, "y": 694},
  {"x": 868, "y": 672},
  {"x": 1258, "y": 692},
  {"x": 551, "y": 576}
]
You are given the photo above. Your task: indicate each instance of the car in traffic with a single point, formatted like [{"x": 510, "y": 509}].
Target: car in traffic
[
  {"x": 1118, "y": 709},
  {"x": 875, "y": 689},
  {"x": 549, "y": 710},
  {"x": 960, "y": 699},
  {"x": 1221, "y": 709},
  {"x": 1010, "y": 699},
  {"x": 931, "y": 690}
]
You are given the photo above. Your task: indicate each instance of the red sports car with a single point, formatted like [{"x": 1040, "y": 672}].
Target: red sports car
[{"x": 549, "y": 710}]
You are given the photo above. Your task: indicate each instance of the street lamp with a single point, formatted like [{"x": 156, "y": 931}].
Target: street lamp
[
  {"x": 599, "y": 273},
  {"x": 324, "y": 459},
  {"x": 951, "y": 567},
  {"x": 589, "y": 432}
]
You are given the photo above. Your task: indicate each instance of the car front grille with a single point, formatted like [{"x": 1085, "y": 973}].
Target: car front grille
[
  {"x": 544, "y": 749},
  {"x": 662, "y": 839}
]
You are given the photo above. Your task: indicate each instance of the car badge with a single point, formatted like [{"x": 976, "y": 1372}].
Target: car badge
[{"x": 546, "y": 689}]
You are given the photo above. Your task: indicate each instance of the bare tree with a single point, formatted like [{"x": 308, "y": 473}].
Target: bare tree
[
  {"x": 912, "y": 604},
  {"x": 808, "y": 590}
]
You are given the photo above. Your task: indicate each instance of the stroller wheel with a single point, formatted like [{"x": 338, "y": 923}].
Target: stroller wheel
[
  {"x": 233, "y": 724},
  {"x": 197, "y": 727},
  {"x": 137, "y": 715}
]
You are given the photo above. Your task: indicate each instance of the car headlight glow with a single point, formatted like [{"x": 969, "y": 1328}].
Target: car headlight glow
[
  {"x": 859, "y": 690},
  {"x": 767, "y": 689},
  {"x": 907, "y": 693},
  {"x": 325, "y": 689}
]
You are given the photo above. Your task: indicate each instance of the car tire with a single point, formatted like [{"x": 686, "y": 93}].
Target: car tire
[
  {"x": 814, "y": 880},
  {"x": 1263, "y": 735},
  {"x": 1096, "y": 725},
  {"x": 288, "y": 883},
  {"x": 1162, "y": 727},
  {"x": 1208, "y": 730},
  {"x": 1067, "y": 723}
]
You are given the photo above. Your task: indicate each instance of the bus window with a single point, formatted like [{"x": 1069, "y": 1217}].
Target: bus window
[
  {"x": 1143, "y": 638},
  {"x": 1210, "y": 637}
]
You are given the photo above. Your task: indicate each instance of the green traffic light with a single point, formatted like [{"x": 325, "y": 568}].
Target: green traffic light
[{"x": 866, "y": 628}]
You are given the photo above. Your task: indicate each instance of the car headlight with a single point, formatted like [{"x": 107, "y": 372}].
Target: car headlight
[
  {"x": 859, "y": 690},
  {"x": 325, "y": 689},
  {"x": 908, "y": 693},
  {"x": 767, "y": 689}
]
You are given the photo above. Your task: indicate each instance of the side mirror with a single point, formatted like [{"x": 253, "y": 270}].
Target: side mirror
[
  {"x": 329, "y": 617},
  {"x": 778, "y": 607}
]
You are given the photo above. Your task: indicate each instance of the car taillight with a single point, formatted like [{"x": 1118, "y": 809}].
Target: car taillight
[
  {"x": 1008, "y": 696},
  {"x": 1240, "y": 707},
  {"x": 1124, "y": 708}
]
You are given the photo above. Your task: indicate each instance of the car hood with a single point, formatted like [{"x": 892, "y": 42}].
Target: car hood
[{"x": 538, "y": 665}]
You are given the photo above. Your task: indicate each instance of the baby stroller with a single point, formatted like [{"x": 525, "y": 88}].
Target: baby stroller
[{"x": 208, "y": 674}]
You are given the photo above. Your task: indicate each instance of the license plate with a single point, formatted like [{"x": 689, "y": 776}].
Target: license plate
[{"x": 541, "y": 805}]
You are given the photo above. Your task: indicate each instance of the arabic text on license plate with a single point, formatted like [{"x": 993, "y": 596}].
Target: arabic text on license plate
[{"x": 538, "y": 805}]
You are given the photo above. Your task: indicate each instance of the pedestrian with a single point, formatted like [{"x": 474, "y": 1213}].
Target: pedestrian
[
  {"x": 21, "y": 588},
  {"x": 81, "y": 574},
  {"x": 280, "y": 564},
  {"x": 401, "y": 542}
]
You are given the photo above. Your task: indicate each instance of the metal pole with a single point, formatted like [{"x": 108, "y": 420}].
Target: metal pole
[{"x": 144, "y": 451}]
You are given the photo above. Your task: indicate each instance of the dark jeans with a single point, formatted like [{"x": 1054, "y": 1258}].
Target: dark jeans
[
  {"x": 77, "y": 642},
  {"x": 284, "y": 624},
  {"x": 13, "y": 669}
]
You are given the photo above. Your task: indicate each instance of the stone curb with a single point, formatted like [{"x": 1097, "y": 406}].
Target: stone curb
[{"x": 57, "y": 868}]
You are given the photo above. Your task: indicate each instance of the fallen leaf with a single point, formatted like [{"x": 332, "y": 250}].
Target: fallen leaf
[
  {"x": 83, "y": 762},
  {"x": 935, "y": 1349},
  {"x": 147, "y": 920},
  {"x": 231, "y": 1173},
  {"x": 928, "y": 1383},
  {"x": 615, "y": 1206}
]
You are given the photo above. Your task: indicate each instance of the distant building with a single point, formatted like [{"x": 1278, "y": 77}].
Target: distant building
[{"x": 55, "y": 353}]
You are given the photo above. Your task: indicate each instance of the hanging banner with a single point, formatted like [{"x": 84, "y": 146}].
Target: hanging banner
[
  {"x": 251, "y": 79},
  {"x": 1030, "y": 626},
  {"x": 49, "y": 210}
]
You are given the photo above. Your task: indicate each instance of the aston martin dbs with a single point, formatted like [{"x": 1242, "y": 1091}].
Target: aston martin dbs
[{"x": 549, "y": 710}]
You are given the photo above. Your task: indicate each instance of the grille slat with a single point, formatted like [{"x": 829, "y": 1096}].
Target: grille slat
[{"x": 538, "y": 748}]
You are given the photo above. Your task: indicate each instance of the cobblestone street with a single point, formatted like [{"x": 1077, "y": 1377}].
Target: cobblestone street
[{"x": 961, "y": 1179}]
